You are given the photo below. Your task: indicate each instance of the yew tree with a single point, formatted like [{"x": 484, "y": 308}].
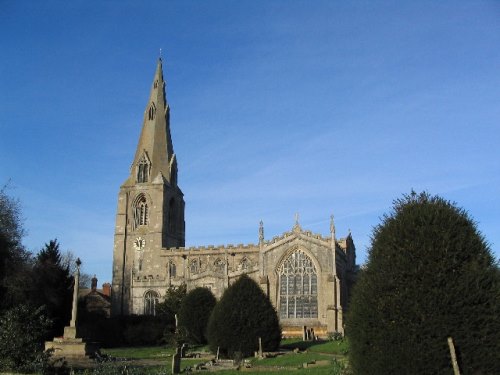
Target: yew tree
[
  {"x": 194, "y": 313},
  {"x": 243, "y": 314},
  {"x": 430, "y": 275}
]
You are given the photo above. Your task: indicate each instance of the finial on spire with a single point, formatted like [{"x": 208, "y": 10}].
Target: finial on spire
[
  {"x": 332, "y": 225},
  {"x": 261, "y": 231},
  {"x": 296, "y": 218}
]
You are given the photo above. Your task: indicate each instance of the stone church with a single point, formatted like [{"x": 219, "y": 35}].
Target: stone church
[{"x": 307, "y": 276}]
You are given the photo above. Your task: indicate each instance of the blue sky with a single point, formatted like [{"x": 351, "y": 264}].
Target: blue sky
[{"x": 277, "y": 107}]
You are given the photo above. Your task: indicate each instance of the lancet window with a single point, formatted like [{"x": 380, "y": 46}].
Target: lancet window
[
  {"x": 172, "y": 269},
  {"x": 152, "y": 112},
  {"x": 143, "y": 167},
  {"x": 298, "y": 287},
  {"x": 151, "y": 299}
]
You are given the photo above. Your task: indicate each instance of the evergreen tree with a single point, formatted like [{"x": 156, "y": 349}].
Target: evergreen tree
[
  {"x": 53, "y": 286},
  {"x": 243, "y": 314},
  {"x": 22, "y": 331},
  {"x": 430, "y": 275},
  {"x": 169, "y": 307},
  {"x": 194, "y": 313}
]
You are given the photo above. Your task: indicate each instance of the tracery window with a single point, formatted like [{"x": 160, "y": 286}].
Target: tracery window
[
  {"x": 298, "y": 287},
  {"x": 194, "y": 266},
  {"x": 151, "y": 299},
  {"x": 219, "y": 266},
  {"x": 143, "y": 170},
  {"x": 141, "y": 216},
  {"x": 245, "y": 264}
]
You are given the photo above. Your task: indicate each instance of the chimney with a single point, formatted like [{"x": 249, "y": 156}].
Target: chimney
[
  {"x": 106, "y": 289},
  {"x": 93, "y": 285}
]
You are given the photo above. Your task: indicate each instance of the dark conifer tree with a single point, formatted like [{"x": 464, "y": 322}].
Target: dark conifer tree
[
  {"x": 194, "y": 312},
  {"x": 53, "y": 286},
  {"x": 430, "y": 275},
  {"x": 243, "y": 314}
]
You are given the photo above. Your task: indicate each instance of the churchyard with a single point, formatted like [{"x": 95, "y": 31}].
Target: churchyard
[{"x": 308, "y": 357}]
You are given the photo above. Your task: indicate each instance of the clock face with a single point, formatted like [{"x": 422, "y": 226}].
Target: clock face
[{"x": 139, "y": 243}]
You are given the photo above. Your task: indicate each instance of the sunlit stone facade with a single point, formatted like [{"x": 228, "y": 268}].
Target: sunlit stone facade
[{"x": 307, "y": 276}]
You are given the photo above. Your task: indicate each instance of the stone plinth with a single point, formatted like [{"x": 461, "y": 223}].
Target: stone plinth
[{"x": 69, "y": 346}]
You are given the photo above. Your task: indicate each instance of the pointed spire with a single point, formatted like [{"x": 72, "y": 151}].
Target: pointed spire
[{"x": 155, "y": 157}]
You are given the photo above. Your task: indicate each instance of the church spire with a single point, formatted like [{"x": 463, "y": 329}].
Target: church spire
[{"x": 154, "y": 159}]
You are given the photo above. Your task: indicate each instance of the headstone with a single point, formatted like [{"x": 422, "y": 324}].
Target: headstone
[
  {"x": 304, "y": 333},
  {"x": 261, "y": 354},
  {"x": 217, "y": 357},
  {"x": 176, "y": 362},
  {"x": 183, "y": 350}
]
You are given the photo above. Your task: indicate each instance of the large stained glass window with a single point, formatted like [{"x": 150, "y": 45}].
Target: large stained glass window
[{"x": 298, "y": 287}]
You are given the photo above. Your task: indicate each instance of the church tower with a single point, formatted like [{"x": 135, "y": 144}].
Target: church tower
[{"x": 150, "y": 213}]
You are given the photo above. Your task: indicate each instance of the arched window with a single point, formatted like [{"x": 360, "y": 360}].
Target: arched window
[
  {"x": 194, "y": 267},
  {"x": 245, "y": 264},
  {"x": 141, "y": 211},
  {"x": 143, "y": 170},
  {"x": 151, "y": 299},
  {"x": 219, "y": 266},
  {"x": 172, "y": 269},
  {"x": 151, "y": 111},
  {"x": 298, "y": 287}
]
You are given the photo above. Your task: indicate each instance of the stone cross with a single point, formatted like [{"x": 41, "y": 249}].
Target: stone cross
[{"x": 74, "y": 309}]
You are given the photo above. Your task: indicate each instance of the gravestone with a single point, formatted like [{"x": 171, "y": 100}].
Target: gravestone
[
  {"x": 184, "y": 348},
  {"x": 176, "y": 362}
]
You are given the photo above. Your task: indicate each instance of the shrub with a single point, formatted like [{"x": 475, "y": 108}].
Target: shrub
[
  {"x": 131, "y": 330},
  {"x": 194, "y": 313},
  {"x": 430, "y": 275},
  {"x": 243, "y": 314},
  {"x": 22, "y": 331}
]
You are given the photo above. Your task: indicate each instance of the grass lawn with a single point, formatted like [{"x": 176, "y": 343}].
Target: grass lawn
[
  {"x": 340, "y": 347},
  {"x": 310, "y": 351},
  {"x": 148, "y": 352},
  {"x": 290, "y": 359}
]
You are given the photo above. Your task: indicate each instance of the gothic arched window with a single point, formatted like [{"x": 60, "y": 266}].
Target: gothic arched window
[
  {"x": 219, "y": 266},
  {"x": 151, "y": 299},
  {"x": 298, "y": 287},
  {"x": 245, "y": 264},
  {"x": 152, "y": 111},
  {"x": 194, "y": 266},
  {"x": 143, "y": 169},
  {"x": 141, "y": 214}
]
